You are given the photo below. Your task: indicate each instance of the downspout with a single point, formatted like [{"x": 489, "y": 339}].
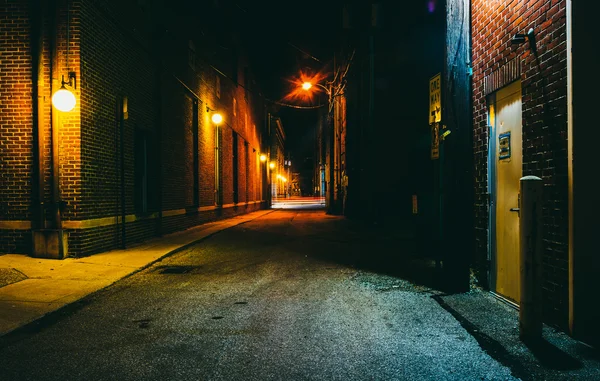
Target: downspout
[
  {"x": 55, "y": 85},
  {"x": 268, "y": 166},
  {"x": 122, "y": 165},
  {"x": 371, "y": 125},
  {"x": 38, "y": 10},
  {"x": 570, "y": 165},
  {"x": 158, "y": 147},
  {"x": 331, "y": 132}
]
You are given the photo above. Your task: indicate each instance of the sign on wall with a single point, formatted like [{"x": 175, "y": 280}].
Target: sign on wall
[
  {"x": 435, "y": 99},
  {"x": 504, "y": 146},
  {"x": 435, "y": 141}
]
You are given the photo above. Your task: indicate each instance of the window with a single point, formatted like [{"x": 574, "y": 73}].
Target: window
[
  {"x": 192, "y": 54},
  {"x": 247, "y": 169},
  {"x": 145, "y": 173},
  {"x": 234, "y": 106},
  {"x": 236, "y": 179},
  {"x": 246, "y": 82},
  {"x": 218, "y": 168},
  {"x": 196, "y": 180},
  {"x": 218, "y": 87}
]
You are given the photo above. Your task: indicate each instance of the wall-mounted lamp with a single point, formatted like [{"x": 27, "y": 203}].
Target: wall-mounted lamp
[
  {"x": 520, "y": 38},
  {"x": 216, "y": 117},
  {"x": 64, "y": 99},
  {"x": 263, "y": 157}
]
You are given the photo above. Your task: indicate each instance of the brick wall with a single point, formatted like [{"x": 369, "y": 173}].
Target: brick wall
[
  {"x": 112, "y": 52},
  {"x": 16, "y": 118},
  {"x": 544, "y": 123}
]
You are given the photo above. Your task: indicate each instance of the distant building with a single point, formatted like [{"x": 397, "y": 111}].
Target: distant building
[{"x": 277, "y": 157}]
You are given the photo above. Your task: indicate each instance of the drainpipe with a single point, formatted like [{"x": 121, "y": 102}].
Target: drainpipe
[
  {"x": 331, "y": 128},
  {"x": 570, "y": 167},
  {"x": 268, "y": 166},
  {"x": 56, "y": 201},
  {"x": 122, "y": 165},
  {"x": 38, "y": 10},
  {"x": 158, "y": 147}
]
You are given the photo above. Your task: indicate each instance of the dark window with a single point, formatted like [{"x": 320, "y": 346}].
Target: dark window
[
  {"x": 247, "y": 161},
  {"x": 146, "y": 171},
  {"x": 195, "y": 153},
  {"x": 246, "y": 82},
  {"x": 235, "y": 168},
  {"x": 218, "y": 168}
]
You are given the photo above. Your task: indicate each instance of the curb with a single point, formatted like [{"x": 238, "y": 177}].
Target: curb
[{"x": 52, "y": 316}]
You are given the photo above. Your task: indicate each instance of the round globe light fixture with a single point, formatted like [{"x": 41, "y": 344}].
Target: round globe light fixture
[
  {"x": 263, "y": 157},
  {"x": 217, "y": 118},
  {"x": 64, "y": 100}
]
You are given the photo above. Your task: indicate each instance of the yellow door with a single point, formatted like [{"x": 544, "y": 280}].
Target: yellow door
[{"x": 508, "y": 161}]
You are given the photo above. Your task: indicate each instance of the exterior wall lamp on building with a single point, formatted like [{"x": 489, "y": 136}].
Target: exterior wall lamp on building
[
  {"x": 520, "y": 38},
  {"x": 217, "y": 118},
  {"x": 64, "y": 99}
]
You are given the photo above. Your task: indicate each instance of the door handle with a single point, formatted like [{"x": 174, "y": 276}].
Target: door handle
[{"x": 515, "y": 210}]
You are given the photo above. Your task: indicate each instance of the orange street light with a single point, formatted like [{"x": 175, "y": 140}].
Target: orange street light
[{"x": 306, "y": 86}]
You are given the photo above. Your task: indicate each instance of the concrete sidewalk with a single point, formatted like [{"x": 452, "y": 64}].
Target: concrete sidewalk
[{"x": 36, "y": 287}]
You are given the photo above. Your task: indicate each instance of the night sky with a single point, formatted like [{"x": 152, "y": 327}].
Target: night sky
[{"x": 286, "y": 37}]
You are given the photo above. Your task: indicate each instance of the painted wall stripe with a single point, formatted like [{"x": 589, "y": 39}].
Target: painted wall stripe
[{"x": 113, "y": 220}]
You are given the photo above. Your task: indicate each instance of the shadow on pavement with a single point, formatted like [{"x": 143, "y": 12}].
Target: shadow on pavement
[{"x": 550, "y": 356}]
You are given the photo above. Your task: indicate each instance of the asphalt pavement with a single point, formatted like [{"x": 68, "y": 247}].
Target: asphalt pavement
[{"x": 287, "y": 295}]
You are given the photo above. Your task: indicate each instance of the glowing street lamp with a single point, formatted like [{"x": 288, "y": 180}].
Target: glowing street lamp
[
  {"x": 217, "y": 118},
  {"x": 263, "y": 157},
  {"x": 306, "y": 86},
  {"x": 272, "y": 165}
]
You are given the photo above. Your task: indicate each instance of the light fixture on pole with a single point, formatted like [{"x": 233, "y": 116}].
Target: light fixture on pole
[
  {"x": 308, "y": 85},
  {"x": 263, "y": 157},
  {"x": 64, "y": 99}
]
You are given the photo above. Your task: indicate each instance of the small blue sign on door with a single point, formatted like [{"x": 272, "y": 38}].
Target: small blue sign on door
[{"x": 504, "y": 146}]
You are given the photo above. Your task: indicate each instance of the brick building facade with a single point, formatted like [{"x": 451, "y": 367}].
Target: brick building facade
[
  {"x": 525, "y": 76},
  {"x": 138, "y": 156}
]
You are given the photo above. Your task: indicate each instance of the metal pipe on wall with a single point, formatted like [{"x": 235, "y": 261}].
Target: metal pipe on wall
[
  {"x": 38, "y": 10},
  {"x": 55, "y": 85},
  {"x": 122, "y": 168}
]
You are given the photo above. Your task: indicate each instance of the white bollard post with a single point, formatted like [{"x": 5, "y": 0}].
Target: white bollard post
[{"x": 530, "y": 235}]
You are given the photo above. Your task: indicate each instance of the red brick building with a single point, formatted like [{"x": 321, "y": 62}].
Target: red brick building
[
  {"x": 529, "y": 62},
  {"x": 139, "y": 155}
]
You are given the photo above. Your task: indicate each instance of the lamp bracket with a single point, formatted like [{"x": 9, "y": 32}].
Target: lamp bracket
[{"x": 72, "y": 82}]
